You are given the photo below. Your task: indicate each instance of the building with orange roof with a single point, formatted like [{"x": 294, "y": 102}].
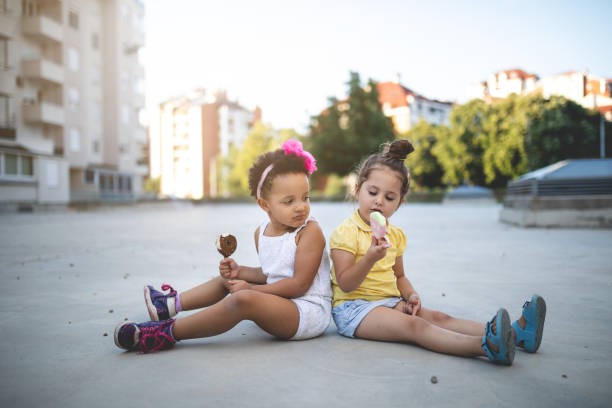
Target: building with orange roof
[
  {"x": 406, "y": 107},
  {"x": 501, "y": 84}
]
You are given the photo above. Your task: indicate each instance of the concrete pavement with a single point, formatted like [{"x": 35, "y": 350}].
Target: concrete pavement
[{"x": 68, "y": 278}]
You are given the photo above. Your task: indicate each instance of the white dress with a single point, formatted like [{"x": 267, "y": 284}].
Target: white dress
[{"x": 277, "y": 258}]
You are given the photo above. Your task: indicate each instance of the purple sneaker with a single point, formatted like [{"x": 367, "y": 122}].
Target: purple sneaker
[
  {"x": 147, "y": 336},
  {"x": 160, "y": 306}
]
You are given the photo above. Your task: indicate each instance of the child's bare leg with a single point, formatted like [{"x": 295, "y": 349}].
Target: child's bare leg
[
  {"x": 204, "y": 295},
  {"x": 465, "y": 326},
  {"x": 274, "y": 314},
  {"x": 392, "y": 325}
]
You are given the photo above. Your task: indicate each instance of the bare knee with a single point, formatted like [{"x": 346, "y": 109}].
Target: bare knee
[
  {"x": 439, "y": 317},
  {"x": 242, "y": 300},
  {"x": 415, "y": 324}
]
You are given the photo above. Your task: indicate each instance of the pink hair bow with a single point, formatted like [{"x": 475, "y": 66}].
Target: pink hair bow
[{"x": 293, "y": 146}]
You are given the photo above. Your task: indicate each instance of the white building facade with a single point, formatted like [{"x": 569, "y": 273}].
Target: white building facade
[
  {"x": 189, "y": 137},
  {"x": 406, "y": 107},
  {"x": 61, "y": 96}
]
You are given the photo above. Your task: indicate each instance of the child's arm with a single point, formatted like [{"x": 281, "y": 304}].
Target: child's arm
[
  {"x": 229, "y": 269},
  {"x": 405, "y": 287},
  {"x": 309, "y": 253},
  {"x": 349, "y": 273}
]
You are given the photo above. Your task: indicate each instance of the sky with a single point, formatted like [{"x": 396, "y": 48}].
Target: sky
[{"x": 288, "y": 57}]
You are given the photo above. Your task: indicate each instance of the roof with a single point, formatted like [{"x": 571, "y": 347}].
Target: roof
[
  {"x": 393, "y": 93},
  {"x": 518, "y": 73},
  {"x": 573, "y": 169},
  {"x": 466, "y": 191},
  {"x": 396, "y": 95}
]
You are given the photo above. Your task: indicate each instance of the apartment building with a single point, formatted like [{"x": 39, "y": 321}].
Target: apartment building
[
  {"x": 190, "y": 135},
  {"x": 501, "y": 84},
  {"x": 590, "y": 91},
  {"x": 72, "y": 89},
  {"x": 406, "y": 107}
]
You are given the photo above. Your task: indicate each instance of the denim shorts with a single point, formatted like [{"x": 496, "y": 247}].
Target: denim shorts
[{"x": 350, "y": 313}]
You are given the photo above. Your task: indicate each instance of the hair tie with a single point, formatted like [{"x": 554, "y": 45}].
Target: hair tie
[{"x": 293, "y": 146}]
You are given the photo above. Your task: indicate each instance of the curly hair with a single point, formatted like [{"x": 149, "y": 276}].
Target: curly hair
[
  {"x": 283, "y": 164},
  {"x": 392, "y": 156}
]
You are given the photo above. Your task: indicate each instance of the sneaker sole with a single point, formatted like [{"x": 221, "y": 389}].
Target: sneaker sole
[
  {"x": 150, "y": 306},
  {"x": 136, "y": 336},
  {"x": 541, "y": 313},
  {"x": 506, "y": 331}
]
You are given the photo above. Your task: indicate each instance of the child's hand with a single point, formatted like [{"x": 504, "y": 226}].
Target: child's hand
[
  {"x": 414, "y": 304},
  {"x": 237, "y": 285},
  {"x": 228, "y": 268},
  {"x": 378, "y": 249}
]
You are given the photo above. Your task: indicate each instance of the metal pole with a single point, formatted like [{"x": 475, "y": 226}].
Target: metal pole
[{"x": 602, "y": 138}]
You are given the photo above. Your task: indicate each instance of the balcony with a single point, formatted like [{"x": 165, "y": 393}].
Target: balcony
[
  {"x": 7, "y": 24},
  {"x": 43, "y": 70},
  {"x": 43, "y": 29},
  {"x": 7, "y": 80},
  {"x": 45, "y": 113}
]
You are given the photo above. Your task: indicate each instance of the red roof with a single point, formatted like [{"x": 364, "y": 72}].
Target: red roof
[
  {"x": 518, "y": 73},
  {"x": 393, "y": 93}
]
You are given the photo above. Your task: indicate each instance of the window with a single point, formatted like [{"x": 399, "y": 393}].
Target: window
[
  {"x": 124, "y": 80},
  {"x": 4, "y": 62},
  {"x": 75, "y": 140},
  {"x": 16, "y": 166},
  {"x": 90, "y": 176},
  {"x": 73, "y": 59},
  {"x": 125, "y": 114},
  {"x": 95, "y": 41},
  {"x": 10, "y": 164},
  {"x": 96, "y": 112},
  {"x": 95, "y": 146},
  {"x": 27, "y": 167},
  {"x": 5, "y": 113},
  {"x": 73, "y": 99},
  {"x": 52, "y": 174},
  {"x": 95, "y": 74},
  {"x": 73, "y": 19},
  {"x": 139, "y": 85}
]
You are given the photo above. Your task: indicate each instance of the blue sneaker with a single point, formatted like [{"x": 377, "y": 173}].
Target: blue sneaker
[
  {"x": 534, "y": 313},
  {"x": 160, "y": 306},
  {"x": 502, "y": 339},
  {"x": 148, "y": 336}
]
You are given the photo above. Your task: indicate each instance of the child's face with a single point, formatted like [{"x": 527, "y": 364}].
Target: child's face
[
  {"x": 288, "y": 201},
  {"x": 380, "y": 192}
]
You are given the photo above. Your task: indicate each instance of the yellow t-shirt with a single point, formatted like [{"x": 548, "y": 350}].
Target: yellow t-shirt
[{"x": 355, "y": 236}]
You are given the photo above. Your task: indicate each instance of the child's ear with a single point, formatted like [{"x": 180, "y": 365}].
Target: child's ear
[
  {"x": 402, "y": 201},
  {"x": 263, "y": 204}
]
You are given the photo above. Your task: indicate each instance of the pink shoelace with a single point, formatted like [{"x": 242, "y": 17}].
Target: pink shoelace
[
  {"x": 161, "y": 339},
  {"x": 165, "y": 286}
]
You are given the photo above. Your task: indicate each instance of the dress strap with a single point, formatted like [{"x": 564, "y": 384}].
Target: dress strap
[{"x": 294, "y": 233}]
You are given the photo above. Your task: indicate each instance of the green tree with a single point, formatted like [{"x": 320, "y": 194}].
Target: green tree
[
  {"x": 460, "y": 151},
  {"x": 503, "y": 140},
  {"x": 348, "y": 130},
  {"x": 425, "y": 170},
  {"x": 560, "y": 129}
]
